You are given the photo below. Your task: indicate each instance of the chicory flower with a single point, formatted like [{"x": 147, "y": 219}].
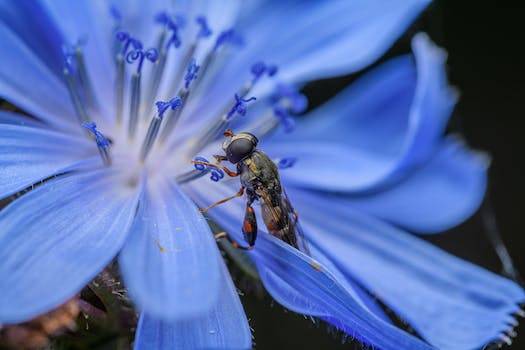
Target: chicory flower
[{"x": 123, "y": 102}]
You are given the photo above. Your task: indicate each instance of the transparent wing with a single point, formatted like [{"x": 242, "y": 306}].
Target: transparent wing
[
  {"x": 282, "y": 221},
  {"x": 294, "y": 219}
]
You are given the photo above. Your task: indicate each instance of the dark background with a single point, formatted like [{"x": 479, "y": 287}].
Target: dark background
[{"x": 485, "y": 42}]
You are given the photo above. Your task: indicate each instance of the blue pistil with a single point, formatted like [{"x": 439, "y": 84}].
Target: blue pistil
[
  {"x": 221, "y": 124},
  {"x": 287, "y": 101},
  {"x": 138, "y": 56},
  {"x": 117, "y": 24},
  {"x": 83, "y": 76},
  {"x": 204, "y": 30},
  {"x": 191, "y": 73},
  {"x": 291, "y": 97},
  {"x": 154, "y": 126},
  {"x": 239, "y": 107},
  {"x": 172, "y": 118},
  {"x": 258, "y": 70},
  {"x": 171, "y": 28},
  {"x": 286, "y": 120},
  {"x": 71, "y": 77},
  {"x": 103, "y": 143},
  {"x": 229, "y": 36},
  {"x": 126, "y": 42},
  {"x": 216, "y": 173}
]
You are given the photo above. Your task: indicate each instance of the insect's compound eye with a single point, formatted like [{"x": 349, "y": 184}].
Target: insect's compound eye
[{"x": 239, "y": 149}]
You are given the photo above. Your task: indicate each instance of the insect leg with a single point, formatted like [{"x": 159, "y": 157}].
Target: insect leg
[
  {"x": 249, "y": 226},
  {"x": 238, "y": 194},
  {"x": 234, "y": 243},
  {"x": 220, "y": 158},
  {"x": 225, "y": 169}
]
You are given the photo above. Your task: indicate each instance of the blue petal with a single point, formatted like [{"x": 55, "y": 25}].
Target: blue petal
[
  {"x": 321, "y": 39},
  {"x": 229, "y": 217},
  {"x": 56, "y": 238},
  {"x": 169, "y": 263},
  {"x": 436, "y": 197},
  {"x": 223, "y": 327},
  {"x": 450, "y": 302},
  {"x": 7, "y": 117},
  {"x": 302, "y": 285},
  {"x": 86, "y": 21},
  {"x": 30, "y": 154},
  {"x": 32, "y": 23},
  {"x": 27, "y": 83},
  {"x": 325, "y": 39},
  {"x": 378, "y": 128}
]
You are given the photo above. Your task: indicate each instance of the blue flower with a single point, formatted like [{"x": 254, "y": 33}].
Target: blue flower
[{"x": 369, "y": 165}]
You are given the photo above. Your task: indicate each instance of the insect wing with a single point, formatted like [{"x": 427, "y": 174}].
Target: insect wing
[
  {"x": 302, "y": 243},
  {"x": 281, "y": 220}
]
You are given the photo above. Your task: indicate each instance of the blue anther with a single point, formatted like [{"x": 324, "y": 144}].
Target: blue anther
[
  {"x": 287, "y": 121},
  {"x": 191, "y": 73},
  {"x": 239, "y": 107},
  {"x": 204, "y": 30},
  {"x": 162, "y": 106},
  {"x": 216, "y": 173},
  {"x": 228, "y": 36},
  {"x": 127, "y": 40},
  {"x": 101, "y": 140},
  {"x": 285, "y": 163},
  {"x": 139, "y": 55}
]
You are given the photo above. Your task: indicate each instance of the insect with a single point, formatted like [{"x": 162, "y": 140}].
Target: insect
[{"x": 260, "y": 182}]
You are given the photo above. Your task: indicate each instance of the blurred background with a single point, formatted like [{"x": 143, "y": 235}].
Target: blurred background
[{"x": 486, "y": 62}]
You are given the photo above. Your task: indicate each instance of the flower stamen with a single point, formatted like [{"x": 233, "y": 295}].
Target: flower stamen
[
  {"x": 126, "y": 41},
  {"x": 71, "y": 83},
  {"x": 203, "y": 33},
  {"x": 172, "y": 118},
  {"x": 221, "y": 124},
  {"x": 83, "y": 78},
  {"x": 229, "y": 36},
  {"x": 138, "y": 55},
  {"x": 103, "y": 143},
  {"x": 154, "y": 126},
  {"x": 163, "y": 50},
  {"x": 286, "y": 102}
]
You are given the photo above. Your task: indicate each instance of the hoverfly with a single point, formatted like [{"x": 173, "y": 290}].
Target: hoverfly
[{"x": 260, "y": 181}]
